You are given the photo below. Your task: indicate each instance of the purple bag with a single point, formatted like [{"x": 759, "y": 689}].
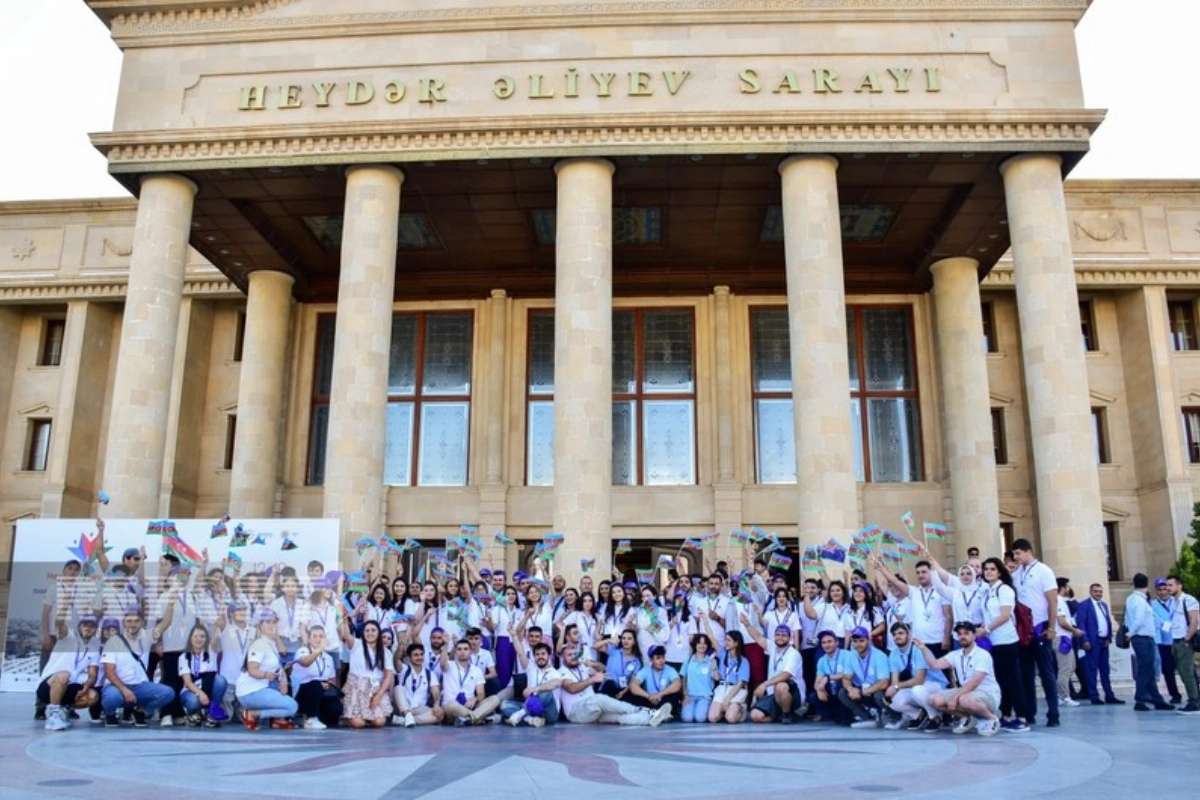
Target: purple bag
[
  {"x": 1064, "y": 644},
  {"x": 984, "y": 643}
]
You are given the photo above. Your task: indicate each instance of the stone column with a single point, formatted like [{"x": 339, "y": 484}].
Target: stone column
[
  {"x": 583, "y": 365},
  {"x": 826, "y": 491},
  {"x": 727, "y": 491},
  {"x": 967, "y": 424},
  {"x": 260, "y": 395},
  {"x": 1056, "y": 378},
  {"x": 493, "y": 494},
  {"x": 358, "y": 403},
  {"x": 142, "y": 385}
]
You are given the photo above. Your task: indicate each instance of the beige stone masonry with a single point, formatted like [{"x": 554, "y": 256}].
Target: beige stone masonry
[
  {"x": 260, "y": 395},
  {"x": 967, "y": 424},
  {"x": 1056, "y": 379},
  {"x": 358, "y": 399},
  {"x": 826, "y": 492},
  {"x": 583, "y": 365},
  {"x": 142, "y": 390}
]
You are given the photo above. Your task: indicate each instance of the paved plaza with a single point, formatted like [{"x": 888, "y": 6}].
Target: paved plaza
[{"x": 1097, "y": 753}]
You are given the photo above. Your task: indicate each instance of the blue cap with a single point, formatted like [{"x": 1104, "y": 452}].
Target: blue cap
[
  {"x": 519, "y": 576},
  {"x": 1159, "y": 583},
  {"x": 860, "y": 633},
  {"x": 784, "y": 629}
]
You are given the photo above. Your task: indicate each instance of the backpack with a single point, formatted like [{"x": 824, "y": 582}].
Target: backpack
[{"x": 1023, "y": 620}]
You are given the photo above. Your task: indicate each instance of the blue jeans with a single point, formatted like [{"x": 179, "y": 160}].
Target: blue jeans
[
  {"x": 1038, "y": 660},
  {"x": 269, "y": 703},
  {"x": 550, "y": 714},
  {"x": 695, "y": 709},
  {"x": 191, "y": 703},
  {"x": 149, "y": 697},
  {"x": 1145, "y": 670}
]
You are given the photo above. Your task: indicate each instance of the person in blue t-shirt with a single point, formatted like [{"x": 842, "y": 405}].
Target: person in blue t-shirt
[
  {"x": 831, "y": 667},
  {"x": 657, "y": 684},
  {"x": 911, "y": 684},
  {"x": 867, "y": 678},
  {"x": 699, "y": 674}
]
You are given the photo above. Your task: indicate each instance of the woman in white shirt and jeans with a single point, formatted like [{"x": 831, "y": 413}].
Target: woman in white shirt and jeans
[{"x": 262, "y": 687}]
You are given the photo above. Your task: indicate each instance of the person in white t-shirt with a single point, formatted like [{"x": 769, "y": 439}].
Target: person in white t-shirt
[
  {"x": 780, "y": 694},
  {"x": 583, "y": 705},
  {"x": 69, "y": 677},
  {"x": 314, "y": 682},
  {"x": 203, "y": 687},
  {"x": 977, "y": 697},
  {"x": 539, "y": 704},
  {"x": 262, "y": 686},
  {"x": 1000, "y": 630},
  {"x": 463, "y": 696},
  {"x": 127, "y": 682},
  {"x": 1068, "y": 637},
  {"x": 1037, "y": 589},
  {"x": 418, "y": 691},
  {"x": 368, "y": 689}
]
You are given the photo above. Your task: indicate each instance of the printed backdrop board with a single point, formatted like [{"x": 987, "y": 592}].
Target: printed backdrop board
[{"x": 44, "y": 546}]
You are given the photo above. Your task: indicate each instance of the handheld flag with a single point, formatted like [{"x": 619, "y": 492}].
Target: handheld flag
[
  {"x": 909, "y": 549},
  {"x": 623, "y": 548},
  {"x": 779, "y": 561},
  {"x": 909, "y": 524},
  {"x": 173, "y": 545},
  {"x": 739, "y": 537},
  {"x": 666, "y": 562},
  {"x": 364, "y": 544},
  {"x": 103, "y": 497},
  {"x": 935, "y": 531},
  {"x": 587, "y": 564},
  {"x": 502, "y": 539},
  {"x": 645, "y": 576}
]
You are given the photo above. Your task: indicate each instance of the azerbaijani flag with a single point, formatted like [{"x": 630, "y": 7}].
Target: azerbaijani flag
[
  {"x": 645, "y": 575},
  {"x": 909, "y": 524},
  {"x": 177, "y": 547},
  {"x": 779, "y": 561},
  {"x": 587, "y": 564},
  {"x": 936, "y": 531}
]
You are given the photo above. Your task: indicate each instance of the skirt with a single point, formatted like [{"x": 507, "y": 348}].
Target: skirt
[
  {"x": 358, "y": 701},
  {"x": 506, "y": 660}
]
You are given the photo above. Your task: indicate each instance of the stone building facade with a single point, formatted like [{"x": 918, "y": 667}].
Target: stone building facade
[{"x": 625, "y": 271}]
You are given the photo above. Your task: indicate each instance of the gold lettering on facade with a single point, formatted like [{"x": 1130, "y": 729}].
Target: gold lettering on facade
[
  {"x": 748, "y": 82},
  {"x": 825, "y": 80},
  {"x": 536, "y": 92},
  {"x": 289, "y": 96},
  {"x": 933, "y": 79},
  {"x": 504, "y": 87},
  {"x": 869, "y": 83},
  {"x": 323, "y": 90},
  {"x": 433, "y": 90},
  {"x": 675, "y": 79},
  {"x": 639, "y": 84},
  {"x": 900, "y": 75},
  {"x": 603, "y": 83},
  {"x": 393, "y": 92},
  {"x": 788, "y": 83},
  {"x": 359, "y": 93},
  {"x": 572, "y": 89},
  {"x": 254, "y": 98}
]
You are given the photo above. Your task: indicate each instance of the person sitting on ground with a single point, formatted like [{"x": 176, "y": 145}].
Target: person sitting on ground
[
  {"x": 203, "y": 687},
  {"x": 314, "y": 676},
  {"x": 583, "y": 705},
  {"x": 463, "y": 696},
  {"x": 863, "y": 686},
  {"x": 537, "y": 706},
  {"x": 657, "y": 684},
  {"x": 779, "y": 694},
  {"x": 418, "y": 691},
  {"x": 127, "y": 681},
  {"x": 912, "y": 683}
]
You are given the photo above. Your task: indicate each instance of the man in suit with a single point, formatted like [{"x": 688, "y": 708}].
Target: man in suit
[{"x": 1095, "y": 620}]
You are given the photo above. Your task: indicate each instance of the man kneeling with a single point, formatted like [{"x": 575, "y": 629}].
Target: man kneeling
[
  {"x": 582, "y": 704},
  {"x": 977, "y": 697}
]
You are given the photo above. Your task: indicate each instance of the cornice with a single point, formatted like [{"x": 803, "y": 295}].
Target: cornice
[
  {"x": 1003, "y": 277},
  {"x": 147, "y": 23},
  {"x": 715, "y": 132},
  {"x": 67, "y": 206},
  {"x": 57, "y": 291}
]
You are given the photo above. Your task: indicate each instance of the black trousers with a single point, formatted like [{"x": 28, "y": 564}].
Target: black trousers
[
  {"x": 314, "y": 702},
  {"x": 170, "y": 677},
  {"x": 674, "y": 700}
]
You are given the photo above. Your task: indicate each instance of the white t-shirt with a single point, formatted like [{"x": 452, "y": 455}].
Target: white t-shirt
[
  {"x": 587, "y": 632},
  {"x": 196, "y": 665},
  {"x": 965, "y": 667},
  {"x": 929, "y": 612},
  {"x": 1033, "y": 581},
  {"x": 327, "y": 617},
  {"x": 536, "y": 675},
  {"x": 293, "y": 619},
  {"x": 235, "y": 642},
  {"x": 808, "y": 628},
  {"x": 996, "y": 599},
  {"x": 1185, "y": 604},
  {"x": 263, "y": 653},
  {"x": 566, "y": 700},
  {"x": 504, "y": 618},
  {"x": 1063, "y": 610},
  {"x": 416, "y": 685},
  {"x": 321, "y": 669},
  {"x": 130, "y": 666},
  {"x": 679, "y": 638},
  {"x": 702, "y": 604},
  {"x": 456, "y": 680},
  {"x": 787, "y": 661},
  {"x": 358, "y": 662},
  {"x": 484, "y": 660},
  {"x": 73, "y": 656},
  {"x": 775, "y": 618},
  {"x": 830, "y": 618},
  {"x": 183, "y": 601}
]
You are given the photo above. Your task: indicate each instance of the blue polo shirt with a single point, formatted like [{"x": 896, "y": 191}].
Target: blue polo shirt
[
  {"x": 900, "y": 661},
  {"x": 865, "y": 671},
  {"x": 835, "y": 664},
  {"x": 654, "y": 682},
  {"x": 699, "y": 674}
]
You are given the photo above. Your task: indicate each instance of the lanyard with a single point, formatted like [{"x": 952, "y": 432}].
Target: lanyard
[
  {"x": 778, "y": 658},
  {"x": 242, "y": 643},
  {"x": 462, "y": 675},
  {"x": 196, "y": 664},
  {"x": 864, "y": 665},
  {"x": 965, "y": 668},
  {"x": 969, "y": 600},
  {"x": 418, "y": 679},
  {"x": 1023, "y": 572},
  {"x": 657, "y": 677},
  {"x": 925, "y": 598},
  {"x": 81, "y": 654},
  {"x": 732, "y": 674}
]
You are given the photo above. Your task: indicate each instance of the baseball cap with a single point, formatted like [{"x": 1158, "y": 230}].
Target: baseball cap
[
  {"x": 1159, "y": 583},
  {"x": 265, "y": 615},
  {"x": 965, "y": 625},
  {"x": 87, "y": 619},
  {"x": 860, "y": 633},
  {"x": 784, "y": 629},
  {"x": 130, "y": 552}
]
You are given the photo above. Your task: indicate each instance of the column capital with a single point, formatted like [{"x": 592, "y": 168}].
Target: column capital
[
  {"x": 601, "y": 163},
  {"x": 808, "y": 158},
  {"x": 954, "y": 264},
  {"x": 721, "y": 291},
  {"x": 260, "y": 273},
  {"x": 385, "y": 168},
  {"x": 169, "y": 177},
  {"x": 1026, "y": 158},
  {"x": 499, "y": 294}
]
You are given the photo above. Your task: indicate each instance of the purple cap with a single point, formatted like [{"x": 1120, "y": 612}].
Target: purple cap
[
  {"x": 860, "y": 633},
  {"x": 784, "y": 629},
  {"x": 87, "y": 619},
  {"x": 629, "y": 585},
  {"x": 519, "y": 576},
  {"x": 110, "y": 622},
  {"x": 265, "y": 615},
  {"x": 485, "y": 573},
  {"x": 1159, "y": 583}
]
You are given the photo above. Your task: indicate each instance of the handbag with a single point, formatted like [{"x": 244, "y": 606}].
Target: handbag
[{"x": 1121, "y": 640}]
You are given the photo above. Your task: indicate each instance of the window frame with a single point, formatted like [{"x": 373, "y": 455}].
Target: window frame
[
  {"x": 230, "y": 441},
  {"x": 532, "y": 397},
  {"x": 54, "y": 329},
  {"x": 756, "y": 395},
  {"x": 1088, "y": 334},
  {"x": 37, "y": 458},
  {"x": 987, "y": 311},
  {"x": 862, "y": 395},
  {"x": 999, "y": 436},
  {"x": 1008, "y": 534},
  {"x": 1182, "y": 311},
  {"x": 1100, "y": 433},
  {"x": 1112, "y": 549},
  {"x": 316, "y": 399},
  {"x": 239, "y": 337},
  {"x": 1191, "y": 433}
]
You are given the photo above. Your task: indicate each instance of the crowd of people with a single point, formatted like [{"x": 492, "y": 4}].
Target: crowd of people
[{"x": 961, "y": 652}]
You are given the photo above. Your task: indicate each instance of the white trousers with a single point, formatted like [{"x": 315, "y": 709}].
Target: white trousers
[{"x": 607, "y": 710}]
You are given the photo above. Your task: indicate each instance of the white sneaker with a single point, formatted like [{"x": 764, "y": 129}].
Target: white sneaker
[
  {"x": 988, "y": 727},
  {"x": 492, "y": 719},
  {"x": 314, "y": 724},
  {"x": 963, "y": 725},
  {"x": 397, "y": 720},
  {"x": 660, "y": 715},
  {"x": 56, "y": 721},
  {"x": 409, "y": 720},
  {"x": 535, "y": 722},
  {"x": 166, "y": 722},
  {"x": 1066, "y": 701},
  {"x": 516, "y": 718},
  {"x": 897, "y": 724},
  {"x": 864, "y": 723}
]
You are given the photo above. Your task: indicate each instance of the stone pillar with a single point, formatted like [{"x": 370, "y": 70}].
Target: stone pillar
[
  {"x": 727, "y": 491},
  {"x": 967, "y": 424},
  {"x": 260, "y": 395},
  {"x": 1056, "y": 378},
  {"x": 826, "y": 491},
  {"x": 583, "y": 365},
  {"x": 358, "y": 403},
  {"x": 142, "y": 385},
  {"x": 493, "y": 494}
]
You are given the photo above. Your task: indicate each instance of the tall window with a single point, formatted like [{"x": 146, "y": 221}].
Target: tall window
[
  {"x": 990, "y": 345},
  {"x": 774, "y": 424},
  {"x": 38, "y": 453},
  {"x": 1008, "y": 533},
  {"x": 54, "y": 331},
  {"x": 1191, "y": 434},
  {"x": 230, "y": 440},
  {"x": 239, "y": 335},
  {"x": 999, "y": 436},
  {"x": 1182, "y": 316},
  {"x": 1087, "y": 326},
  {"x": 1100, "y": 431},
  {"x": 1112, "y": 551},
  {"x": 883, "y": 393},
  {"x": 654, "y": 398},
  {"x": 429, "y": 399}
]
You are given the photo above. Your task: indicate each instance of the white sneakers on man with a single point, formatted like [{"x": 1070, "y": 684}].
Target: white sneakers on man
[
  {"x": 660, "y": 715},
  {"x": 988, "y": 727},
  {"x": 314, "y": 724}
]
